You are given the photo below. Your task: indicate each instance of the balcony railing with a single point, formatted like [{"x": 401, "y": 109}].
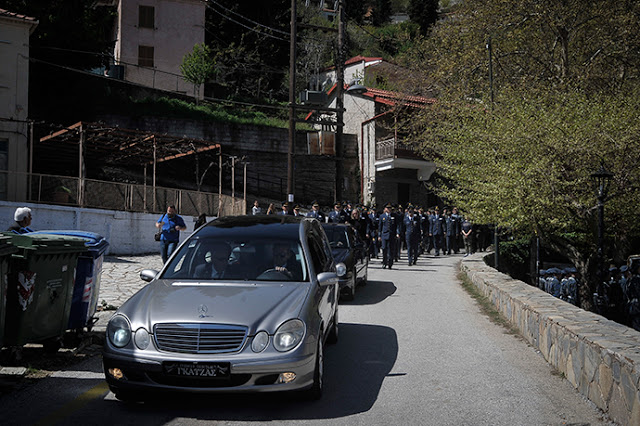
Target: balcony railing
[
  {"x": 392, "y": 148},
  {"x": 73, "y": 191}
]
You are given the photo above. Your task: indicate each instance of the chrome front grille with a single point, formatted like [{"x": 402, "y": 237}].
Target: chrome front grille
[{"x": 199, "y": 338}]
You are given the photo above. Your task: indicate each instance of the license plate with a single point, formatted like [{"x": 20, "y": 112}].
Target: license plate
[{"x": 198, "y": 369}]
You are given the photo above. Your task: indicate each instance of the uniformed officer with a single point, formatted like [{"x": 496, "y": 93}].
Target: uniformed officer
[
  {"x": 436, "y": 230},
  {"x": 285, "y": 209},
  {"x": 373, "y": 228},
  {"x": 457, "y": 229},
  {"x": 399, "y": 214},
  {"x": 387, "y": 234},
  {"x": 315, "y": 212},
  {"x": 412, "y": 234},
  {"x": 338, "y": 215},
  {"x": 296, "y": 210},
  {"x": 452, "y": 233}
]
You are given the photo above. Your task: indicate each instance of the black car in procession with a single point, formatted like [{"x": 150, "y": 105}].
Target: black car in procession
[
  {"x": 348, "y": 248},
  {"x": 245, "y": 304}
]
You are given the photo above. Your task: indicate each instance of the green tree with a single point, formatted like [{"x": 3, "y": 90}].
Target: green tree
[
  {"x": 424, "y": 13},
  {"x": 381, "y": 12},
  {"x": 198, "y": 67},
  {"x": 566, "y": 97}
]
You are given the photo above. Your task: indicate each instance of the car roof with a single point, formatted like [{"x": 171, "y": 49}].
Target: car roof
[{"x": 270, "y": 226}]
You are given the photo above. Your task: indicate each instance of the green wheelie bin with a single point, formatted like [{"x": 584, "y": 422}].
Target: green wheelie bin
[
  {"x": 6, "y": 250},
  {"x": 40, "y": 287}
]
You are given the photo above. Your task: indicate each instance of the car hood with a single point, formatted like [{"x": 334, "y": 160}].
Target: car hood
[
  {"x": 340, "y": 255},
  {"x": 257, "y": 305}
]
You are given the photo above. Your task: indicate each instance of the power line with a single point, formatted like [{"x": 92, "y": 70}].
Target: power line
[
  {"x": 243, "y": 25},
  {"x": 284, "y": 107},
  {"x": 253, "y": 22}
]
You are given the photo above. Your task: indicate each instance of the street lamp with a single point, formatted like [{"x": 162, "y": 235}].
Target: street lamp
[{"x": 601, "y": 178}]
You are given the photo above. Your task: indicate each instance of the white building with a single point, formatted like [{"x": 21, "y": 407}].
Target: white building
[
  {"x": 15, "y": 30},
  {"x": 152, "y": 37},
  {"x": 390, "y": 170}
]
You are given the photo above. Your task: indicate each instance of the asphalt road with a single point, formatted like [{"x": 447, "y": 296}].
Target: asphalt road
[{"x": 414, "y": 349}]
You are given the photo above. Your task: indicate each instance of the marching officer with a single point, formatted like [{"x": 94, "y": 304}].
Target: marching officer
[
  {"x": 412, "y": 234},
  {"x": 399, "y": 214},
  {"x": 436, "y": 230},
  {"x": 316, "y": 213},
  {"x": 338, "y": 215},
  {"x": 373, "y": 221},
  {"x": 387, "y": 234}
]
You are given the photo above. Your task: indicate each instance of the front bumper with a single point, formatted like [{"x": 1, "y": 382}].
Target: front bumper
[{"x": 257, "y": 375}]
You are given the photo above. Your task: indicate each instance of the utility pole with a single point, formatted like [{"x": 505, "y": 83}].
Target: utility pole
[
  {"x": 340, "y": 104},
  {"x": 292, "y": 101}
]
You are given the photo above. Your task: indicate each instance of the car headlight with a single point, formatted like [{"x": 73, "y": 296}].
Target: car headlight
[
  {"x": 288, "y": 335},
  {"x": 119, "y": 331},
  {"x": 260, "y": 341},
  {"x": 141, "y": 338}
]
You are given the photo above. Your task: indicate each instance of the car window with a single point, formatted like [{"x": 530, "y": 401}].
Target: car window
[
  {"x": 337, "y": 236},
  {"x": 212, "y": 258}
]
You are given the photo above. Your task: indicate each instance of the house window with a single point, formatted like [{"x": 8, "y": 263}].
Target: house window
[
  {"x": 145, "y": 56},
  {"x": 146, "y": 18}
]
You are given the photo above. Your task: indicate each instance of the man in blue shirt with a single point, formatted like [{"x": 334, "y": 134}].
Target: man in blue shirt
[{"x": 171, "y": 224}]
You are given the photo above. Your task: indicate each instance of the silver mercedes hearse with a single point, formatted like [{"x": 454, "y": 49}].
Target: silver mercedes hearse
[{"x": 243, "y": 305}]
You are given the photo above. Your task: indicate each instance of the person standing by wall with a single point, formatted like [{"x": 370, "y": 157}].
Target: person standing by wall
[
  {"x": 22, "y": 218},
  {"x": 467, "y": 229},
  {"x": 171, "y": 224},
  {"x": 256, "y": 209}
]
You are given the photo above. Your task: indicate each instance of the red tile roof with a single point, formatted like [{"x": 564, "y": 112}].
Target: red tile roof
[
  {"x": 361, "y": 58},
  {"x": 7, "y": 14}
]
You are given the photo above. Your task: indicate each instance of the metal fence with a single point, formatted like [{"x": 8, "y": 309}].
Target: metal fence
[{"x": 73, "y": 191}]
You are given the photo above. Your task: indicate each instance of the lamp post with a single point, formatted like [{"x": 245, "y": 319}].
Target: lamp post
[{"x": 601, "y": 178}]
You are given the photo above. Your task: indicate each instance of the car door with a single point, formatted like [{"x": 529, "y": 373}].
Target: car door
[
  {"x": 326, "y": 296},
  {"x": 357, "y": 247}
]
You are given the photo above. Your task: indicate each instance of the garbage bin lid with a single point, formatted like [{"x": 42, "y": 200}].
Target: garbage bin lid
[
  {"x": 46, "y": 243},
  {"x": 93, "y": 241}
]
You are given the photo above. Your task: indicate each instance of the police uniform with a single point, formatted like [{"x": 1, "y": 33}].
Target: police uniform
[
  {"x": 387, "y": 233},
  {"x": 337, "y": 216},
  {"x": 436, "y": 230},
  {"x": 373, "y": 234},
  {"x": 399, "y": 214},
  {"x": 316, "y": 214},
  {"x": 412, "y": 236}
]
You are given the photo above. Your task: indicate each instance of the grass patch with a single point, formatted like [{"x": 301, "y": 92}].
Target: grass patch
[{"x": 486, "y": 307}]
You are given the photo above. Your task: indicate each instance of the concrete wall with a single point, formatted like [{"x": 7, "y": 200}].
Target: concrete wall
[
  {"x": 127, "y": 233},
  {"x": 599, "y": 357},
  {"x": 14, "y": 97}
]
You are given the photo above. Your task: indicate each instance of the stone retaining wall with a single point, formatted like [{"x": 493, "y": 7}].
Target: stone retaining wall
[{"x": 599, "y": 357}]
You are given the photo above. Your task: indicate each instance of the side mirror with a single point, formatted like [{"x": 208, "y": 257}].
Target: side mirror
[
  {"x": 326, "y": 279},
  {"x": 148, "y": 275},
  {"x": 341, "y": 270}
]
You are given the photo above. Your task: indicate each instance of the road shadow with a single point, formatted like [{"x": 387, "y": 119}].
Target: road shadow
[
  {"x": 355, "y": 369},
  {"x": 372, "y": 293},
  {"x": 115, "y": 259}
]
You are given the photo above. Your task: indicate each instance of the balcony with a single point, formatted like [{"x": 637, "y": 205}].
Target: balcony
[{"x": 393, "y": 154}]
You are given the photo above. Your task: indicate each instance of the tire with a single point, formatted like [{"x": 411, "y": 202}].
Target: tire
[
  {"x": 350, "y": 292},
  {"x": 363, "y": 281},
  {"x": 332, "y": 337},
  {"x": 315, "y": 392}
]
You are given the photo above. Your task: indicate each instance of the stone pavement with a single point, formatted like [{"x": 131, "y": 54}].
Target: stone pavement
[{"x": 121, "y": 280}]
